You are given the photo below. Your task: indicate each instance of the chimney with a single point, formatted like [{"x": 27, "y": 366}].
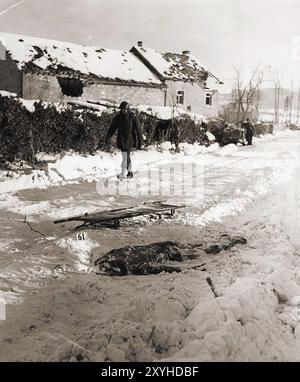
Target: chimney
[
  {"x": 140, "y": 43},
  {"x": 186, "y": 52}
]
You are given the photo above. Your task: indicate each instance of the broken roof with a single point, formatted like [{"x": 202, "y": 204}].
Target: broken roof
[
  {"x": 174, "y": 66},
  {"x": 36, "y": 54}
]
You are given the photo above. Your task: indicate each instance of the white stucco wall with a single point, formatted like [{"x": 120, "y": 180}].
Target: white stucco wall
[{"x": 194, "y": 96}]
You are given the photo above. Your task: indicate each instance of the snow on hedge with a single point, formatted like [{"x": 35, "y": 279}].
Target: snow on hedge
[
  {"x": 168, "y": 112},
  {"x": 29, "y": 103}
]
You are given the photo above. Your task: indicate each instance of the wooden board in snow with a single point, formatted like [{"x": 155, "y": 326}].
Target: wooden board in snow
[{"x": 113, "y": 217}]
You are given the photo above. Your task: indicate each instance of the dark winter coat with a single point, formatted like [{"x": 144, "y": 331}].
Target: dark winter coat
[
  {"x": 128, "y": 129},
  {"x": 249, "y": 129}
]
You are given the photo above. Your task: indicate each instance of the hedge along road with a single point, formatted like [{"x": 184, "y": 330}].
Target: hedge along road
[{"x": 217, "y": 184}]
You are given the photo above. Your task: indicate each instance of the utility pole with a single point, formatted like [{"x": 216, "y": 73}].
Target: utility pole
[
  {"x": 291, "y": 102},
  {"x": 285, "y": 111},
  {"x": 277, "y": 96},
  {"x": 277, "y": 91},
  {"x": 298, "y": 107}
]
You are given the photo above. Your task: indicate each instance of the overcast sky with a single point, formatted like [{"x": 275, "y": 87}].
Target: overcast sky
[{"x": 220, "y": 33}]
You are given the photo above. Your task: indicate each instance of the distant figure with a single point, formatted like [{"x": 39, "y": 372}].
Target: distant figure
[
  {"x": 203, "y": 131},
  {"x": 174, "y": 134},
  {"x": 204, "y": 126},
  {"x": 129, "y": 135},
  {"x": 249, "y": 131}
]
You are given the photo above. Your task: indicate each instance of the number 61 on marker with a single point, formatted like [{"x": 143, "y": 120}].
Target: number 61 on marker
[{"x": 80, "y": 236}]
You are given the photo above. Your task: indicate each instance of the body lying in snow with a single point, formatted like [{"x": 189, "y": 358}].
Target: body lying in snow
[
  {"x": 154, "y": 258},
  {"x": 140, "y": 259},
  {"x": 225, "y": 243}
]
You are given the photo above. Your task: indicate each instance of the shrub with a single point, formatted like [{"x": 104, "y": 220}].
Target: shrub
[
  {"x": 16, "y": 131},
  {"x": 263, "y": 128},
  {"x": 51, "y": 130},
  {"x": 23, "y": 134}
]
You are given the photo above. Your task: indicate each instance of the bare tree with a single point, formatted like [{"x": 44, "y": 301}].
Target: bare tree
[
  {"x": 298, "y": 107},
  {"x": 246, "y": 94},
  {"x": 291, "y": 101}
]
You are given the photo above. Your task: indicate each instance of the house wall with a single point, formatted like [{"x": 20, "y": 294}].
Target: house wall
[
  {"x": 133, "y": 94},
  {"x": 10, "y": 75},
  {"x": 48, "y": 89},
  {"x": 39, "y": 87},
  {"x": 194, "y": 96}
]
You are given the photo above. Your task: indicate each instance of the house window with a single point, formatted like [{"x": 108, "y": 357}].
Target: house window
[
  {"x": 72, "y": 87},
  {"x": 180, "y": 97},
  {"x": 208, "y": 99}
]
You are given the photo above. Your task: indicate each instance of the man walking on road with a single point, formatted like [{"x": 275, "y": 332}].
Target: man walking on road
[
  {"x": 129, "y": 135},
  {"x": 249, "y": 131}
]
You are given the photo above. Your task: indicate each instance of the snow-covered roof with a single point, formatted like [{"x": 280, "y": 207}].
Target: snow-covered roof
[
  {"x": 31, "y": 53},
  {"x": 173, "y": 66}
]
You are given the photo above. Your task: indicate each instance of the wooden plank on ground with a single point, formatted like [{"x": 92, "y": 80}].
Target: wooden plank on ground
[{"x": 154, "y": 208}]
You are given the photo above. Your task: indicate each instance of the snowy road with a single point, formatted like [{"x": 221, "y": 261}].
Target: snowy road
[
  {"x": 251, "y": 191},
  {"x": 233, "y": 178}
]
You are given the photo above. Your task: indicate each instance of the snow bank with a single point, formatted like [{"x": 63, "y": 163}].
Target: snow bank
[
  {"x": 80, "y": 249},
  {"x": 256, "y": 318},
  {"x": 7, "y": 94},
  {"x": 242, "y": 326},
  {"x": 75, "y": 168}
]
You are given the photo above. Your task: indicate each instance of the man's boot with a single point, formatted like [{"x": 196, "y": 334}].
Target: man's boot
[
  {"x": 121, "y": 175},
  {"x": 130, "y": 174}
]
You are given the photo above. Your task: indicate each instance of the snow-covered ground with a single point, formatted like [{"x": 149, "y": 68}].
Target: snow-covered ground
[
  {"x": 74, "y": 168},
  {"x": 218, "y": 192},
  {"x": 249, "y": 191}
]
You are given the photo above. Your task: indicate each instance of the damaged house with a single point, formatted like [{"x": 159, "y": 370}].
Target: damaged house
[
  {"x": 186, "y": 79},
  {"x": 53, "y": 71}
]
